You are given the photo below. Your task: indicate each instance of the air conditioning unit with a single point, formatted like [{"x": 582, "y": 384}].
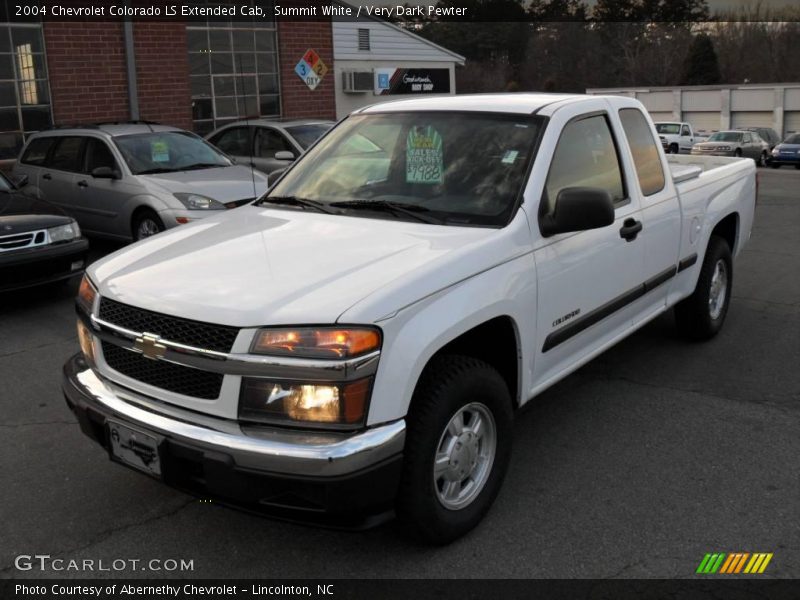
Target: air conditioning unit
[{"x": 354, "y": 82}]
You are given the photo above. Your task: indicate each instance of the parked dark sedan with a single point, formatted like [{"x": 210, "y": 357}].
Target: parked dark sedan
[
  {"x": 787, "y": 152},
  {"x": 39, "y": 243}
]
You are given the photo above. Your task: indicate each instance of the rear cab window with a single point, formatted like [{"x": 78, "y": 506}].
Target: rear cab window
[
  {"x": 36, "y": 152},
  {"x": 644, "y": 149},
  {"x": 66, "y": 156}
]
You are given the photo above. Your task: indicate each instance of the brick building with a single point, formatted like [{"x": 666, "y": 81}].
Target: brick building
[
  {"x": 190, "y": 74},
  {"x": 200, "y": 74}
]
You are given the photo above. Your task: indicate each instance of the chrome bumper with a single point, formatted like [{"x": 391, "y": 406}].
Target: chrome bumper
[{"x": 259, "y": 448}]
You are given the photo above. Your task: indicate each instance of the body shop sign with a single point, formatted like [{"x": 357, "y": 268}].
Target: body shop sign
[{"x": 411, "y": 81}]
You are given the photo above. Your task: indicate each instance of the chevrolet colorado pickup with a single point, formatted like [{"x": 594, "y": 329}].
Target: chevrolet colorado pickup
[{"x": 356, "y": 342}]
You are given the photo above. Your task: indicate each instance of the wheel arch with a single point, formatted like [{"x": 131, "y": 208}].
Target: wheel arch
[
  {"x": 728, "y": 229},
  {"x": 495, "y": 342}
]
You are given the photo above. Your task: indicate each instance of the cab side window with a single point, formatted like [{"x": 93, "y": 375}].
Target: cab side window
[
  {"x": 98, "y": 155},
  {"x": 269, "y": 141},
  {"x": 36, "y": 152},
  {"x": 585, "y": 156},
  {"x": 234, "y": 141},
  {"x": 644, "y": 149},
  {"x": 685, "y": 131},
  {"x": 67, "y": 153}
]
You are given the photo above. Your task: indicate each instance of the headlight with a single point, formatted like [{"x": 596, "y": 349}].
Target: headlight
[
  {"x": 341, "y": 404},
  {"x": 64, "y": 233},
  {"x": 86, "y": 295},
  {"x": 776, "y": 151},
  {"x": 198, "y": 202},
  {"x": 86, "y": 340},
  {"x": 316, "y": 342}
]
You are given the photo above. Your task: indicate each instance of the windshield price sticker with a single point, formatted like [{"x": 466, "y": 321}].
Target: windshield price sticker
[
  {"x": 424, "y": 156},
  {"x": 159, "y": 151}
]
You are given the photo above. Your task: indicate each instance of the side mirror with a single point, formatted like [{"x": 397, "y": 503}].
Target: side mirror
[
  {"x": 284, "y": 155},
  {"x": 105, "y": 173},
  {"x": 578, "y": 209},
  {"x": 22, "y": 181}
]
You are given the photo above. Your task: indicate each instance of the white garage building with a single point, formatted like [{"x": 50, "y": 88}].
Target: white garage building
[
  {"x": 375, "y": 61},
  {"x": 714, "y": 108}
]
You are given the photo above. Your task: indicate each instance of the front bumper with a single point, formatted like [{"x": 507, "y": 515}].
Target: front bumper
[
  {"x": 332, "y": 478},
  {"x": 42, "y": 264},
  {"x": 783, "y": 159},
  {"x": 713, "y": 152}
]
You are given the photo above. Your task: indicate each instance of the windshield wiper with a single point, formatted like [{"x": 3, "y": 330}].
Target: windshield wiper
[
  {"x": 294, "y": 201},
  {"x": 398, "y": 208},
  {"x": 196, "y": 166},
  {"x": 155, "y": 171}
]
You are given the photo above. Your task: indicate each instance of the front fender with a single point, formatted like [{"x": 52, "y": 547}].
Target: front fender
[{"x": 416, "y": 333}]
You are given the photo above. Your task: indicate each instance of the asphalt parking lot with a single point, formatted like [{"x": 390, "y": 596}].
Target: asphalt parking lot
[{"x": 650, "y": 456}]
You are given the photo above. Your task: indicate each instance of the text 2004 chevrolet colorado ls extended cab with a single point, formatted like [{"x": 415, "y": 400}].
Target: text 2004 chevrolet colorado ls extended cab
[{"x": 358, "y": 339}]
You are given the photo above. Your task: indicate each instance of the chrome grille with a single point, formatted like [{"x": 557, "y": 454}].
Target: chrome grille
[
  {"x": 18, "y": 241},
  {"x": 175, "y": 329},
  {"x": 164, "y": 375}
]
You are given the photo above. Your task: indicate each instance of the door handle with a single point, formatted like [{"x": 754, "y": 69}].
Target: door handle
[
  {"x": 47, "y": 176},
  {"x": 83, "y": 183},
  {"x": 630, "y": 229}
]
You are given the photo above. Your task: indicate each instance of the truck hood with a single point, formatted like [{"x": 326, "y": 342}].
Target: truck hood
[
  {"x": 224, "y": 184},
  {"x": 257, "y": 266}
]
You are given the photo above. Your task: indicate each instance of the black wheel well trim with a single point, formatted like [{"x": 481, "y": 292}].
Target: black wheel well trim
[
  {"x": 728, "y": 229},
  {"x": 506, "y": 357}
]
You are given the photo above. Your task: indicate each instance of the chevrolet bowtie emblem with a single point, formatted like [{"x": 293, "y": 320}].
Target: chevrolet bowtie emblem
[{"x": 149, "y": 347}]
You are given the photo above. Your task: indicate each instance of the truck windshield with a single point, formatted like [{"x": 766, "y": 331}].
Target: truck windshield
[
  {"x": 168, "y": 151},
  {"x": 668, "y": 128},
  {"x": 726, "y": 136},
  {"x": 457, "y": 169}
]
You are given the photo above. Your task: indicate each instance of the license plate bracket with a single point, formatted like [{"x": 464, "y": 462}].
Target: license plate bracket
[{"x": 135, "y": 448}]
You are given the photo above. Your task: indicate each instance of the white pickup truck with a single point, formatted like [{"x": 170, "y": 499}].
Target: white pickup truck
[
  {"x": 357, "y": 341},
  {"x": 677, "y": 138}
]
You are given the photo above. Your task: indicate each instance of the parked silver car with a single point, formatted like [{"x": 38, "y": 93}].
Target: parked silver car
[
  {"x": 269, "y": 145},
  {"x": 734, "y": 143},
  {"x": 132, "y": 180}
]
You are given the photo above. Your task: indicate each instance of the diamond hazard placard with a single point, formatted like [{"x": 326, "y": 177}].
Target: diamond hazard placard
[{"x": 311, "y": 69}]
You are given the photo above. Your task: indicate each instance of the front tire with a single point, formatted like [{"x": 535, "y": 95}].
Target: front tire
[
  {"x": 673, "y": 149},
  {"x": 146, "y": 223},
  {"x": 701, "y": 315},
  {"x": 762, "y": 161},
  {"x": 458, "y": 445}
]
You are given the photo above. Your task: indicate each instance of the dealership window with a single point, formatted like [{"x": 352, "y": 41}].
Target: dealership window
[
  {"x": 234, "y": 71},
  {"x": 24, "y": 92}
]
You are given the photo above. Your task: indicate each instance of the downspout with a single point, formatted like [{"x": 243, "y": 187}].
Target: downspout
[{"x": 130, "y": 63}]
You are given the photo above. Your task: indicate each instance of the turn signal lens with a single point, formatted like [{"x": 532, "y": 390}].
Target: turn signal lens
[
  {"x": 282, "y": 402},
  {"x": 308, "y": 342},
  {"x": 86, "y": 295},
  {"x": 85, "y": 338}
]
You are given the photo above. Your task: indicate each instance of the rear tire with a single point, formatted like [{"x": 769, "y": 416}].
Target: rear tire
[
  {"x": 146, "y": 223},
  {"x": 458, "y": 444},
  {"x": 701, "y": 315},
  {"x": 762, "y": 162}
]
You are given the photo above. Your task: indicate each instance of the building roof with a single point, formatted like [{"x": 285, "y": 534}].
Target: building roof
[{"x": 400, "y": 43}]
